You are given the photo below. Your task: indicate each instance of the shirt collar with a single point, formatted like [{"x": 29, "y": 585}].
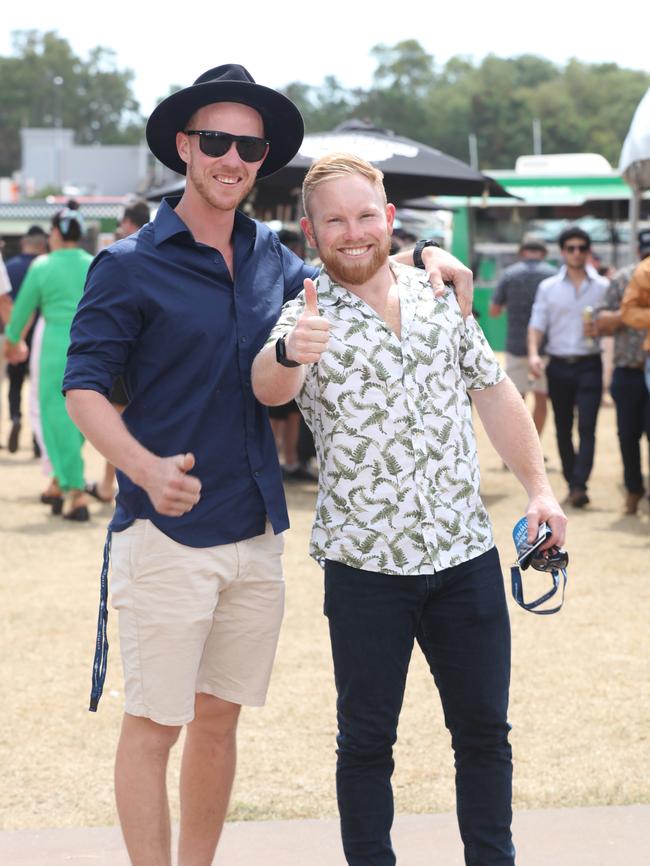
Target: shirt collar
[
  {"x": 168, "y": 224},
  {"x": 332, "y": 294},
  {"x": 590, "y": 270}
]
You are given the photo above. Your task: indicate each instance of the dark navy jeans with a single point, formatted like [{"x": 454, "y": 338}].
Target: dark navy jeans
[
  {"x": 460, "y": 620},
  {"x": 576, "y": 386},
  {"x": 633, "y": 420}
]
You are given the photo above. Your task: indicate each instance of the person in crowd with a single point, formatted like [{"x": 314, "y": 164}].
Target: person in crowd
[
  {"x": 563, "y": 304},
  {"x": 32, "y": 244},
  {"x": 401, "y": 239},
  {"x": 134, "y": 217},
  {"x": 628, "y": 388},
  {"x": 515, "y": 292},
  {"x": 5, "y": 312},
  {"x": 635, "y": 306},
  {"x": 136, "y": 214},
  {"x": 382, "y": 371},
  {"x": 180, "y": 310},
  {"x": 54, "y": 284}
]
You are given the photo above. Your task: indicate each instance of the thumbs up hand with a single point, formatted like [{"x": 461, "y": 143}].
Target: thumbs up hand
[
  {"x": 308, "y": 338},
  {"x": 172, "y": 491}
]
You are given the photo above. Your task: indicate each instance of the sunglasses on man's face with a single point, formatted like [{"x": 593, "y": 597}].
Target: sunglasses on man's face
[
  {"x": 579, "y": 248},
  {"x": 213, "y": 143}
]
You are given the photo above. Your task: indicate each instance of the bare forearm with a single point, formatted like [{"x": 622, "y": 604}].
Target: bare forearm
[
  {"x": 102, "y": 425},
  {"x": 534, "y": 341},
  {"x": 516, "y": 442},
  {"x": 5, "y": 308},
  {"x": 608, "y": 322},
  {"x": 272, "y": 383}
]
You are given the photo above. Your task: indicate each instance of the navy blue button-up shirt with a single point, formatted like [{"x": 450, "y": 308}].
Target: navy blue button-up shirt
[{"x": 162, "y": 310}]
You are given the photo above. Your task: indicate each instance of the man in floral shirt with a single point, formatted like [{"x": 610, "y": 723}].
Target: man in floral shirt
[{"x": 381, "y": 370}]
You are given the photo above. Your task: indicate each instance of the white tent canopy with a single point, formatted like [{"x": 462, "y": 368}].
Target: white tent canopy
[{"x": 634, "y": 163}]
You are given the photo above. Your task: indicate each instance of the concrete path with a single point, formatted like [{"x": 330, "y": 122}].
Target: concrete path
[{"x": 597, "y": 836}]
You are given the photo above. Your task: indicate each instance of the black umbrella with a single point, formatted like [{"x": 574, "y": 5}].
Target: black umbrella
[{"x": 411, "y": 169}]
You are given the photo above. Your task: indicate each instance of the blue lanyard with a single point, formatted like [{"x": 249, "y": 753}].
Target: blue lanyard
[{"x": 518, "y": 592}]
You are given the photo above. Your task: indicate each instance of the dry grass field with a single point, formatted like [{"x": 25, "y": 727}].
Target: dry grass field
[{"x": 580, "y": 702}]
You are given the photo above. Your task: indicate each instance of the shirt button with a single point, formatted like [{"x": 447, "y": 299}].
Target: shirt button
[
  {"x": 256, "y": 473},
  {"x": 243, "y": 339}
]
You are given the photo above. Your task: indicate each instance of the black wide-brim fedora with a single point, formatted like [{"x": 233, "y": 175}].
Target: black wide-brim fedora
[{"x": 283, "y": 124}]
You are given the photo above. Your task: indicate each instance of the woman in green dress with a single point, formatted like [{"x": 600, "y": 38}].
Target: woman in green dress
[{"x": 54, "y": 283}]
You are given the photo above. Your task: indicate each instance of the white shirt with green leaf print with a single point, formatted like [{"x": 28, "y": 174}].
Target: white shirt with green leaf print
[{"x": 392, "y": 425}]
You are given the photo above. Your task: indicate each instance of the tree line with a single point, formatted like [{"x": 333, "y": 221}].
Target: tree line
[{"x": 579, "y": 106}]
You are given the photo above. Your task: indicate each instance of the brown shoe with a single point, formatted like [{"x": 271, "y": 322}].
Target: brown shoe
[
  {"x": 578, "y": 498},
  {"x": 632, "y": 502}
]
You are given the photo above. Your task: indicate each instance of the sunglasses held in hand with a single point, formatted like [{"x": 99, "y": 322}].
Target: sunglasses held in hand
[
  {"x": 215, "y": 143},
  {"x": 552, "y": 560}
]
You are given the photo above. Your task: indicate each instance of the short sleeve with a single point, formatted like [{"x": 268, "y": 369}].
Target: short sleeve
[
  {"x": 613, "y": 295},
  {"x": 106, "y": 325},
  {"x": 479, "y": 367},
  {"x": 295, "y": 273},
  {"x": 500, "y": 296},
  {"x": 289, "y": 315}
]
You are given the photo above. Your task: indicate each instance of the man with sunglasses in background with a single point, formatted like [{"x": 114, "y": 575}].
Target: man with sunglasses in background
[
  {"x": 563, "y": 309},
  {"x": 179, "y": 309}
]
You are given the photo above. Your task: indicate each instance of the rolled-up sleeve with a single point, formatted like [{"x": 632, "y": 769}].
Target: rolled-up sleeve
[
  {"x": 539, "y": 312},
  {"x": 290, "y": 314},
  {"x": 478, "y": 365},
  {"x": 105, "y": 327}
]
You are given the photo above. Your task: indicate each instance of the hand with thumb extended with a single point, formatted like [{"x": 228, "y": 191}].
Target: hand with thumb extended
[
  {"x": 185, "y": 462},
  {"x": 172, "y": 491},
  {"x": 311, "y": 298},
  {"x": 308, "y": 338}
]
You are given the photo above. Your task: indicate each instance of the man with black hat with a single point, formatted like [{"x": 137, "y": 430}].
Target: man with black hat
[
  {"x": 515, "y": 292},
  {"x": 180, "y": 309}
]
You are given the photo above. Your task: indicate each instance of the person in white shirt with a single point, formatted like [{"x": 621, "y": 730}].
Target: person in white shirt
[
  {"x": 381, "y": 370},
  {"x": 562, "y": 313}
]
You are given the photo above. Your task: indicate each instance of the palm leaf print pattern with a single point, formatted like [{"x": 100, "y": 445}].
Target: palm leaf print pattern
[{"x": 392, "y": 423}]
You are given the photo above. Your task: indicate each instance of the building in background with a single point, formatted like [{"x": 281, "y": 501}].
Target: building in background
[{"x": 52, "y": 160}]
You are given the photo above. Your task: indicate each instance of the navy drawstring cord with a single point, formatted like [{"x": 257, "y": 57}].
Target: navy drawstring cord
[{"x": 101, "y": 645}]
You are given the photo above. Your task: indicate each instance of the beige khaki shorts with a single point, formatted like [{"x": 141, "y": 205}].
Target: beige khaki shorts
[
  {"x": 517, "y": 370},
  {"x": 195, "y": 619}
]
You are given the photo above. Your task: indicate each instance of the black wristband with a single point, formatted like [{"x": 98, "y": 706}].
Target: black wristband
[
  {"x": 281, "y": 354},
  {"x": 417, "y": 252}
]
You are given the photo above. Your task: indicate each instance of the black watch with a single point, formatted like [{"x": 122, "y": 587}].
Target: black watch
[
  {"x": 417, "y": 252},
  {"x": 281, "y": 354}
]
